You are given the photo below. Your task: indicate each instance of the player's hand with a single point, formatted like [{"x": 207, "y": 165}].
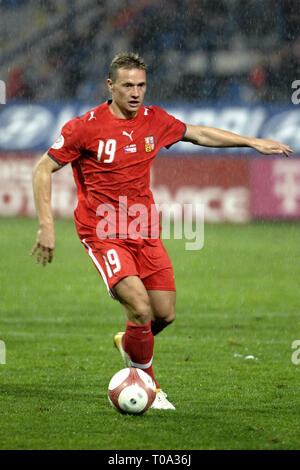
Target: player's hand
[
  {"x": 44, "y": 245},
  {"x": 271, "y": 147}
]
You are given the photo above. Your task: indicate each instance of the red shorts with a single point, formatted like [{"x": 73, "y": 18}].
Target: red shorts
[{"x": 146, "y": 258}]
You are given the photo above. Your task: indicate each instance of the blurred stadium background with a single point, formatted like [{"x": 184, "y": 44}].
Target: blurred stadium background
[
  {"x": 224, "y": 63},
  {"x": 196, "y": 49}
]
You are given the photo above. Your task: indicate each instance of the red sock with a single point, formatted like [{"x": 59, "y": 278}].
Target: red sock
[{"x": 138, "y": 342}]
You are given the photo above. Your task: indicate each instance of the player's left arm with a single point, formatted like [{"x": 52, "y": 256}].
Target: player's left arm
[{"x": 213, "y": 137}]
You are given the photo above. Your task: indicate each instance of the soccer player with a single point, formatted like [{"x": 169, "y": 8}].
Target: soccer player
[{"x": 111, "y": 149}]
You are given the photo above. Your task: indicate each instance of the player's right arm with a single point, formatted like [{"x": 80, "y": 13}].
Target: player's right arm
[
  {"x": 41, "y": 179},
  {"x": 66, "y": 149}
]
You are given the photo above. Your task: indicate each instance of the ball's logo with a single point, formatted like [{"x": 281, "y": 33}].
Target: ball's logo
[{"x": 58, "y": 144}]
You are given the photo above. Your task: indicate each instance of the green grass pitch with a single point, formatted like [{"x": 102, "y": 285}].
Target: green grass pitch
[{"x": 239, "y": 296}]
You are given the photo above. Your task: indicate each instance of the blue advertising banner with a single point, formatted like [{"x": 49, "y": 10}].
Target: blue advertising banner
[{"x": 33, "y": 127}]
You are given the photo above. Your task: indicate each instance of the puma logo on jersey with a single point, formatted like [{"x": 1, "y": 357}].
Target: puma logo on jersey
[
  {"x": 128, "y": 135},
  {"x": 91, "y": 115}
]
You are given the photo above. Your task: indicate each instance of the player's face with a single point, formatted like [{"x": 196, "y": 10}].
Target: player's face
[{"x": 128, "y": 91}]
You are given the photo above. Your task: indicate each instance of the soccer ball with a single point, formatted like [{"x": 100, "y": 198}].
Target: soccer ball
[{"x": 131, "y": 391}]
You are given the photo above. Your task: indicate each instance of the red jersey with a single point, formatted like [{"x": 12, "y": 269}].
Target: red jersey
[{"x": 111, "y": 160}]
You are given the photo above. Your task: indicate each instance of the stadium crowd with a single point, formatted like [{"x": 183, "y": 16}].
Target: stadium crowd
[{"x": 224, "y": 50}]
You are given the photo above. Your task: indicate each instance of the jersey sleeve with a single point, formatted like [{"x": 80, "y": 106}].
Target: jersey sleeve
[
  {"x": 171, "y": 130},
  {"x": 69, "y": 145}
]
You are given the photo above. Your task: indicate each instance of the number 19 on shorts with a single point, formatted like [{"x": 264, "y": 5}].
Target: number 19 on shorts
[{"x": 112, "y": 262}]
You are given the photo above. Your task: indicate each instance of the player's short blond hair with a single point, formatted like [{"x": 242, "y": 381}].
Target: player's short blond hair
[{"x": 128, "y": 60}]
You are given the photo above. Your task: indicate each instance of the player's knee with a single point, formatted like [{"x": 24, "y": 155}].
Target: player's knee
[
  {"x": 140, "y": 313},
  {"x": 167, "y": 313},
  {"x": 163, "y": 306},
  {"x": 171, "y": 315}
]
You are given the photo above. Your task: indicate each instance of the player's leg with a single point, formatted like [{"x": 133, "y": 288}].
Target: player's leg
[
  {"x": 131, "y": 293},
  {"x": 137, "y": 341},
  {"x": 158, "y": 278},
  {"x": 163, "y": 314},
  {"x": 162, "y": 308},
  {"x": 118, "y": 266},
  {"x": 116, "y": 262},
  {"x": 118, "y": 269}
]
